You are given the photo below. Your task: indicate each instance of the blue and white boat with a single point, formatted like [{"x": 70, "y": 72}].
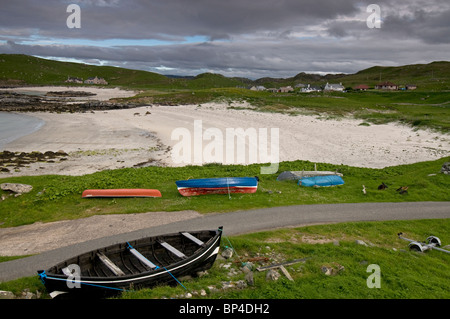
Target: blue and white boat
[{"x": 222, "y": 185}]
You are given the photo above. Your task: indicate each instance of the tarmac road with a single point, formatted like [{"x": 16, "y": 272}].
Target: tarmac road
[{"x": 241, "y": 222}]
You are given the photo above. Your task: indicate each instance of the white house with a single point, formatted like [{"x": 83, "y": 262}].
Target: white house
[
  {"x": 310, "y": 88},
  {"x": 73, "y": 80},
  {"x": 258, "y": 88},
  {"x": 96, "y": 80},
  {"x": 334, "y": 87},
  {"x": 285, "y": 89}
]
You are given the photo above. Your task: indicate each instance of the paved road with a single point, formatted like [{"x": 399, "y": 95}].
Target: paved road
[{"x": 242, "y": 222}]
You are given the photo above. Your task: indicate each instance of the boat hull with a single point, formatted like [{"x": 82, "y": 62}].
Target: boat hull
[
  {"x": 94, "y": 281},
  {"x": 225, "y": 185},
  {"x": 129, "y": 192},
  {"x": 321, "y": 181},
  {"x": 215, "y": 190},
  {"x": 296, "y": 175}
]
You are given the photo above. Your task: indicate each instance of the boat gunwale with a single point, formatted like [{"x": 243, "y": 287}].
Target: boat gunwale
[{"x": 214, "y": 243}]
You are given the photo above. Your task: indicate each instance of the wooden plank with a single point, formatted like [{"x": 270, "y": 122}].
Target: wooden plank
[
  {"x": 173, "y": 250},
  {"x": 282, "y": 264},
  {"x": 286, "y": 273},
  {"x": 143, "y": 259},
  {"x": 194, "y": 239},
  {"x": 112, "y": 266}
]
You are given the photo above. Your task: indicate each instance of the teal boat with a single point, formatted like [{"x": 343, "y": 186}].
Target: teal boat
[{"x": 321, "y": 181}]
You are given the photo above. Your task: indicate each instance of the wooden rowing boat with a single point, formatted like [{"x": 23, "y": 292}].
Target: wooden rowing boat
[
  {"x": 132, "y": 265},
  {"x": 223, "y": 185},
  {"x": 129, "y": 192}
]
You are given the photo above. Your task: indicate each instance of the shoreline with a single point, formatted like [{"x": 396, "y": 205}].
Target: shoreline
[
  {"x": 29, "y": 124},
  {"x": 99, "y": 93},
  {"x": 92, "y": 142},
  {"x": 142, "y": 136}
]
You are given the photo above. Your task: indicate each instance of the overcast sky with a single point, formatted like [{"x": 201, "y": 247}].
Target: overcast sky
[{"x": 249, "y": 38}]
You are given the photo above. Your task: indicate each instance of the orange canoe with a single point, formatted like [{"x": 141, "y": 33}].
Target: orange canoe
[{"x": 121, "y": 193}]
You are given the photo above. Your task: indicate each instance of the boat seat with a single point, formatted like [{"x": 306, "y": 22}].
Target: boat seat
[
  {"x": 112, "y": 266},
  {"x": 173, "y": 250},
  {"x": 194, "y": 239},
  {"x": 142, "y": 258}
]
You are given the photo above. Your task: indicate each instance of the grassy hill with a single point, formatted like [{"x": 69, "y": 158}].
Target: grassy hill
[
  {"x": 434, "y": 76},
  {"x": 211, "y": 80},
  {"x": 22, "y": 69},
  {"x": 301, "y": 78}
]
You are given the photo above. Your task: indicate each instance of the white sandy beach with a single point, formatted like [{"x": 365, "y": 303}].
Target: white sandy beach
[{"x": 124, "y": 138}]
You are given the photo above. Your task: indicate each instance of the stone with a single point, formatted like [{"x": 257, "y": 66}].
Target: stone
[
  {"x": 241, "y": 284},
  {"x": 16, "y": 188},
  {"x": 212, "y": 289},
  {"x": 326, "y": 270},
  {"x": 446, "y": 168},
  {"x": 28, "y": 295},
  {"x": 272, "y": 275},
  {"x": 233, "y": 272},
  {"x": 249, "y": 278},
  {"x": 6, "y": 295},
  {"x": 202, "y": 273},
  {"x": 360, "y": 242},
  {"x": 226, "y": 266},
  {"x": 227, "y": 285},
  {"x": 247, "y": 267},
  {"x": 227, "y": 253},
  {"x": 332, "y": 271}
]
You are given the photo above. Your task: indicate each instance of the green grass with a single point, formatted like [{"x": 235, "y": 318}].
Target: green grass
[
  {"x": 404, "y": 274},
  {"x": 59, "y": 197}
]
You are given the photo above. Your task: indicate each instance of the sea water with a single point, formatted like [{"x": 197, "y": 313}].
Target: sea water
[{"x": 14, "y": 126}]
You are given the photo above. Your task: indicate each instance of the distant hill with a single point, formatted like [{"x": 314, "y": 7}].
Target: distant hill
[
  {"x": 212, "y": 80},
  {"x": 28, "y": 70},
  {"x": 22, "y": 69},
  {"x": 301, "y": 78},
  {"x": 432, "y": 76}
]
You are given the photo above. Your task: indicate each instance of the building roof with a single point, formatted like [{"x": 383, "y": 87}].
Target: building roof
[
  {"x": 387, "y": 83},
  {"x": 361, "y": 87},
  {"x": 335, "y": 85}
]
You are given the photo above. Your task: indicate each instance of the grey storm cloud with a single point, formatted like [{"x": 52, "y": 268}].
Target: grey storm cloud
[
  {"x": 251, "y": 38},
  {"x": 173, "y": 18}
]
